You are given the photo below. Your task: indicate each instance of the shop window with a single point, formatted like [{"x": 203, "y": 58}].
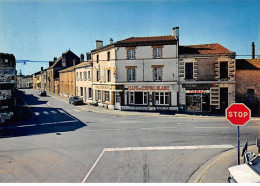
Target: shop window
[
  {"x": 108, "y": 75},
  {"x": 223, "y": 70},
  {"x": 106, "y": 96},
  {"x": 130, "y": 53},
  {"x": 131, "y": 74},
  {"x": 250, "y": 96},
  {"x": 162, "y": 98},
  {"x": 157, "y": 72},
  {"x": 188, "y": 70},
  {"x": 157, "y": 52},
  {"x": 98, "y": 95},
  {"x": 138, "y": 98}
]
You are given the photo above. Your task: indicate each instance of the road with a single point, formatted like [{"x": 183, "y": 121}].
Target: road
[{"x": 66, "y": 143}]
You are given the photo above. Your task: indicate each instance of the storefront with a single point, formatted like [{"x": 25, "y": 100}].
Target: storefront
[
  {"x": 146, "y": 97},
  {"x": 198, "y": 100}
]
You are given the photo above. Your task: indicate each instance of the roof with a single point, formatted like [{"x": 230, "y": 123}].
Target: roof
[
  {"x": 214, "y": 48},
  {"x": 84, "y": 64},
  {"x": 59, "y": 59},
  {"x": 247, "y": 64},
  {"x": 142, "y": 41},
  {"x": 67, "y": 69}
]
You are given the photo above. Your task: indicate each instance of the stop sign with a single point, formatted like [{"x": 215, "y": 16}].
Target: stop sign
[{"x": 238, "y": 114}]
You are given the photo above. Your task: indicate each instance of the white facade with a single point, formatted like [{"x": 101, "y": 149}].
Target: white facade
[{"x": 24, "y": 82}]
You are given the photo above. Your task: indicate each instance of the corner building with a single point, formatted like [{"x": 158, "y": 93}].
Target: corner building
[{"x": 138, "y": 73}]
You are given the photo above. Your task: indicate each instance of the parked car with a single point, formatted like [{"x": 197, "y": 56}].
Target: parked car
[
  {"x": 249, "y": 172},
  {"x": 42, "y": 93},
  {"x": 75, "y": 100}
]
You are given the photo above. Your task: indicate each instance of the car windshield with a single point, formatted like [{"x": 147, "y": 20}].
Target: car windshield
[{"x": 75, "y": 97}]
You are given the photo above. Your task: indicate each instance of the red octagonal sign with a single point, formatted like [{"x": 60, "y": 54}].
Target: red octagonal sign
[{"x": 238, "y": 114}]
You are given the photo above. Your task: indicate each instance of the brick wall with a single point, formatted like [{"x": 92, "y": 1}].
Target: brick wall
[{"x": 248, "y": 79}]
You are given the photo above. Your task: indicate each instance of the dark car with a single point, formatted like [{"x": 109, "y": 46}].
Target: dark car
[
  {"x": 75, "y": 100},
  {"x": 42, "y": 93}
]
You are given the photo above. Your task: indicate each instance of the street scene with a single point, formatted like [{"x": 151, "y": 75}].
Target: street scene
[{"x": 96, "y": 92}]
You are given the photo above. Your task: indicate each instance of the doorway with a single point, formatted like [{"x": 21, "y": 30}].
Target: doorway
[{"x": 117, "y": 100}]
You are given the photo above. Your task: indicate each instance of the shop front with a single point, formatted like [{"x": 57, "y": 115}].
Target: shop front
[
  {"x": 150, "y": 97},
  {"x": 198, "y": 100}
]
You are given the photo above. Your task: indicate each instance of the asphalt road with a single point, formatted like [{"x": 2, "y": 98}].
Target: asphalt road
[{"x": 66, "y": 143}]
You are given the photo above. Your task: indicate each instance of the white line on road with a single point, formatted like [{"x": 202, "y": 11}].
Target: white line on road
[
  {"x": 76, "y": 110},
  {"x": 45, "y": 112},
  {"x": 155, "y": 148},
  {"x": 154, "y": 128},
  {"x": 37, "y": 113},
  {"x": 253, "y": 126},
  {"x": 53, "y": 112}
]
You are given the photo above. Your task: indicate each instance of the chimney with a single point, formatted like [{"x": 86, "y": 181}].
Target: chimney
[
  {"x": 175, "y": 32},
  {"x": 99, "y": 44},
  {"x": 89, "y": 56},
  {"x": 41, "y": 68},
  {"x": 111, "y": 41},
  {"x": 54, "y": 59},
  {"x": 253, "y": 50},
  {"x": 81, "y": 57},
  {"x": 74, "y": 62},
  {"x": 51, "y": 63}
]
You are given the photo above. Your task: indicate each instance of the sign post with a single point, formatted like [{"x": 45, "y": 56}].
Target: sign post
[{"x": 238, "y": 115}]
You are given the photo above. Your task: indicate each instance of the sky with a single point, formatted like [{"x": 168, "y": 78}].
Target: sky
[{"x": 39, "y": 30}]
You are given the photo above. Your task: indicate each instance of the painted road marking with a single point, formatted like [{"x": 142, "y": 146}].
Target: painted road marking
[
  {"x": 154, "y": 128},
  {"x": 37, "y": 113},
  {"x": 45, "y": 112},
  {"x": 61, "y": 111},
  {"x": 76, "y": 110},
  {"x": 155, "y": 148},
  {"x": 53, "y": 112},
  {"x": 253, "y": 126}
]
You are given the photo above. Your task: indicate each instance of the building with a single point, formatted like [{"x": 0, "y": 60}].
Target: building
[
  {"x": 67, "y": 82},
  {"x": 8, "y": 86},
  {"x": 67, "y": 59},
  {"x": 24, "y": 81},
  {"x": 83, "y": 72},
  {"x": 206, "y": 77},
  {"x": 138, "y": 73},
  {"x": 248, "y": 82},
  {"x": 35, "y": 78}
]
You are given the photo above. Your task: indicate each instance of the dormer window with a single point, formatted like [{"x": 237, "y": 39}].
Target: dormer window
[
  {"x": 130, "y": 53},
  {"x": 157, "y": 52}
]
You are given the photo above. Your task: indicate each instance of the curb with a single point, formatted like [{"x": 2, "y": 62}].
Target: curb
[{"x": 199, "y": 173}]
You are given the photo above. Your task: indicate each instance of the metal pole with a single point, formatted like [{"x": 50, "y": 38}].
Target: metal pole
[{"x": 238, "y": 146}]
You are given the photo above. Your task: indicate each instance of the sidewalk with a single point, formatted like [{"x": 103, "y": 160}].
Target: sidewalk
[
  {"x": 103, "y": 110},
  {"x": 215, "y": 169}
]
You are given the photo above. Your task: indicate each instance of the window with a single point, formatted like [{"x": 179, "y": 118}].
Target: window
[
  {"x": 131, "y": 74},
  {"x": 80, "y": 75},
  {"x": 108, "y": 75},
  {"x": 89, "y": 75},
  {"x": 108, "y": 56},
  {"x": 250, "y": 96},
  {"x": 157, "y": 74},
  {"x": 77, "y": 76},
  {"x": 188, "y": 70},
  {"x": 162, "y": 98},
  {"x": 130, "y": 53},
  {"x": 89, "y": 93},
  {"x": 6, "y": 60},
  {"x": 157, "y": 52},
  {"x": 98, "y": 76},
  {"x": 85, "y": 75},
  {"x": 138, "y": 98},
  {"x": 97, "y": 58},
  {"x": 98, "y": 95},
  {"x": 223, "y": 69},
  {"x": 106, "y": 95}
]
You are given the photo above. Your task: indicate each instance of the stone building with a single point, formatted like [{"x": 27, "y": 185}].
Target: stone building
[
  {"x": 67, "y": 59},
  {"x": 24, "y": 81},
  {"x": 206, "y": 77},
  {"x": 248, "y": 83},
  {"x": 138, "y": 73}
]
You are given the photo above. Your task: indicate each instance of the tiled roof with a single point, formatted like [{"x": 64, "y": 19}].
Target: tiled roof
[
  {"x": 84, "y": 63},
  {"x": 247, "y": 64},
  {"x": 214, "y": 48},
  {"x": 148, "y": 39}
]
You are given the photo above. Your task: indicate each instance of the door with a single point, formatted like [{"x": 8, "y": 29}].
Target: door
[
  {"x": 117, "y": 100},
  {"x": 223, "y": 98}
]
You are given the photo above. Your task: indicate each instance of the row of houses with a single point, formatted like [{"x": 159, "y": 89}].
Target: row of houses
[{"x": 154, "y": 73}]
